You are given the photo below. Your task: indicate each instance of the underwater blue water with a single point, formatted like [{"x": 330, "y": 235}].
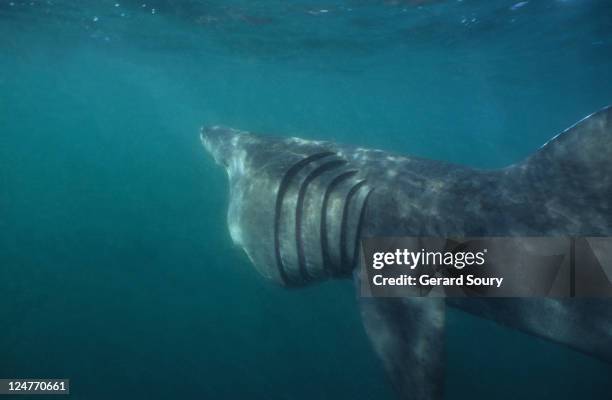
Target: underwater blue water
[{"x": 116, "y": 267}]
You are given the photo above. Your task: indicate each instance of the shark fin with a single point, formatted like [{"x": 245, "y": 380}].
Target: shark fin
[
  {"x": 408, "y": 335},
  {"x": 569, "y": 180}
]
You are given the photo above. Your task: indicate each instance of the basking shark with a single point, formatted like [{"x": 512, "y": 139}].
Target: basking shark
[{"x": 299, "y": 209}]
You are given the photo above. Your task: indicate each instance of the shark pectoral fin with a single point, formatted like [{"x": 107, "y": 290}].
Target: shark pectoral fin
[
  {"x": 569, "y": 180},
  {"x": 408, "y": 335}
]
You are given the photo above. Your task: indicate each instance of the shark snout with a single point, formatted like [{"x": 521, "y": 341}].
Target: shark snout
[{"x": 218, "y": 141}]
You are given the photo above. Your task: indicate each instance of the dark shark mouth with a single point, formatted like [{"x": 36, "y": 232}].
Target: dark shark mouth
[{"x": 319, "y": 210}]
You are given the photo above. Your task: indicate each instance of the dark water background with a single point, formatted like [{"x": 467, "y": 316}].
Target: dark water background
[{"x": 116, "y": 267}]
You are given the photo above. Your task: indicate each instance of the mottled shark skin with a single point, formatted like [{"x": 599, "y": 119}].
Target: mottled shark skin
[{"x": 298, "y": 208}]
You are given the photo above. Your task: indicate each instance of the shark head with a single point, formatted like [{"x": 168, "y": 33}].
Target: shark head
[{"x": 294, "y": 204}]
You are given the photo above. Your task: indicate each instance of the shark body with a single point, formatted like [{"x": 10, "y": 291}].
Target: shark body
[{"x": 298, "y": 208}]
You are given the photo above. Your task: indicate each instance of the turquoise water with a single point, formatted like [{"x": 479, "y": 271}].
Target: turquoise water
[{"x": 116, "y": 267}]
